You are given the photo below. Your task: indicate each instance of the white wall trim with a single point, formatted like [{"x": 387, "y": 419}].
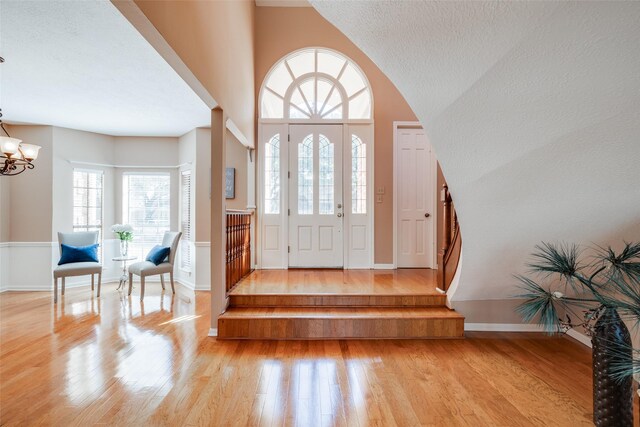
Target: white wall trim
[
  {"x": 503, "y": 327},
  {"x": 434, "y": 173},
  {"x": 231, "y": 127},
  {"x": 30, "y": 244},
  {"x": 384, "y": 267},
  {"x": 580, "y": 337},
  {"x": 213, "y": 332}
]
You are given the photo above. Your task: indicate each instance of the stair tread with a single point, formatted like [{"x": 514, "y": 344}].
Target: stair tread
[
  {"x": 337, "y": 294},
  {"x": 340, "y": 312}
]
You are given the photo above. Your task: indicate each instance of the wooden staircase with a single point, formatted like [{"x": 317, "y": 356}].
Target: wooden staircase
[{"x": 300, "y": 316}]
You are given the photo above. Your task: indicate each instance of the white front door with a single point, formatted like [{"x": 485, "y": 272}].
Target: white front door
[
  {"x": 415, "y": 199},
  {"x": 315, "y": 196}
]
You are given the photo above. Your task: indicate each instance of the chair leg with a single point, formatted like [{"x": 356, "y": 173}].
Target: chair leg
[
  {"x": 62, "y": 289},
  {"x": 162, "y": 281},
  {"x": 141, "y": 288},
  {"x": 99, "y": 282},
  {"x": 173, "y": 288},
  {"x": 92, "y": 282},
  {"x": 130, "y": 283},
  {"x": 55, "y": 290}
]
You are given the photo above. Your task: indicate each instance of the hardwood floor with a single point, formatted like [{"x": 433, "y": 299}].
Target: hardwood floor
[
  {"x": 116, "y": 361},
  {"x": 369, "y": 282}
]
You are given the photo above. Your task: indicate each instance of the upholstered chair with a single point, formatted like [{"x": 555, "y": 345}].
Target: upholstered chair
[
  {"x": 146, "y": 268},
  {"x": 81, "y": 238}
]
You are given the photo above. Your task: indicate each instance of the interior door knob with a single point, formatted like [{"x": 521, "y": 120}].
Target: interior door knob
[
  {"x": 339, "y": 215},
  {"x": 427, "y": 215}
]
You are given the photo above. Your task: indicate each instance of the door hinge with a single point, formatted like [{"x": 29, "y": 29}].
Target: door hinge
[
  {"x": 289, "y": 137},
  {"x": 288, "y": 212},
  {"x": 289, "y": 249},
  {"x": 289, "y": 174}
]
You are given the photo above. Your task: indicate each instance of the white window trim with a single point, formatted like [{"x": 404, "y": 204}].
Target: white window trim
[
  {"x": 188, "y": 241},
  {"x": 147, "y": 173},
  {"x": 73, "y": 226},
  {"x": 295, "y": 81}
]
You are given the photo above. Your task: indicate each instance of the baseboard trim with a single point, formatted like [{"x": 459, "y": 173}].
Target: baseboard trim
[
  {"x": 580, "y": 337},
  {"x": 383, "y": 267},
  {"x": 213, "y": 332},
  {"x": 502, "y": 327}
]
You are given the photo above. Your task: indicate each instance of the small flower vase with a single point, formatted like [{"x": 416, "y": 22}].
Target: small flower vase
[{"x": 124, "y": 247}]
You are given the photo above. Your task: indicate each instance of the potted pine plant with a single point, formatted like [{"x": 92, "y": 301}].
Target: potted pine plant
[{"x": 595, "y": 290}]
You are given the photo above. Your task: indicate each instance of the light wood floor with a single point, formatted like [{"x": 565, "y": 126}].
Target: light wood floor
[
  {"x": 114, "y": 361},
  {"x": 369, "y": 282}
]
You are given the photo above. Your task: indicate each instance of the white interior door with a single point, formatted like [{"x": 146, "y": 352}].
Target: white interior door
[
  {"x": 315, "y": 196},
  {"x": 415, "y": 199}
]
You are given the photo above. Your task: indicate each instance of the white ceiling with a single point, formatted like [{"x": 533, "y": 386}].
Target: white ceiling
[
  {"x": 533, "y": 109},
  {"x": 82, "y": 65}
]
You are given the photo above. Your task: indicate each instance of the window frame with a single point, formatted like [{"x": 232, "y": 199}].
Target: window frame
[
  {"x": 89, "y": 227},
  {"x": 135, "y": 245},
  {"x": 296, "y": 82},
  {"x": 186, "y": 255}
]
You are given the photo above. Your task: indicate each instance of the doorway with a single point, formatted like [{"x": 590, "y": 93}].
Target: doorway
[
  {"x": 315, "y": 164},
  {"x": 415, "y": 180},
  {"x": 315, "y": 196}
]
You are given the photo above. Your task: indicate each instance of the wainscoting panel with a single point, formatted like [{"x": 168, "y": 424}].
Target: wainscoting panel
[
  {"x": 4, "y": 266},
  {"x": 203, "y": 266}
]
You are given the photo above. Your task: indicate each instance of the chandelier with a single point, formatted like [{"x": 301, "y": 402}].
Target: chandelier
[{"x": 17, "y": 157}]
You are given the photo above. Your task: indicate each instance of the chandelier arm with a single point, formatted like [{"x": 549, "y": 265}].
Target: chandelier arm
[{"x": 4, "y": 129}]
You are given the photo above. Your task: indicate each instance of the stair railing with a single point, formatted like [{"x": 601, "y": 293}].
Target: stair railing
[
  {"x": 449, "y": 254},
  {"x": 238, "y": 246}
]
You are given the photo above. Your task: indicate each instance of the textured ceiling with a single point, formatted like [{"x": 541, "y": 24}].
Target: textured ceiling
[
  {"x": 82, "y": 65},
  {"x": 533, "y": 109}
]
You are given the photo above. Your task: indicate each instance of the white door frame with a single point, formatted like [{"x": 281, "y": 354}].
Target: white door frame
[
  {"x": 434, "y": 171},
  {"x": 363, "y": 128}
]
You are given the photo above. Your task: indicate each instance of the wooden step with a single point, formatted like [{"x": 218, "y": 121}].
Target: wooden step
[
  {"x": 340, "y": 323},
  {"x": 336, "y": 300}
]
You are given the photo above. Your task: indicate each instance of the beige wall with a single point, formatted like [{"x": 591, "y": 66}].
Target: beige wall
[
  {"x": 203, "y": 185},
  {"x": 31, "y": 204},
  {"x": 77, "y": 146},
  {"x": 282, "y": 30},
  {"x": 215, "y": 40},
  {"x": 49, "y": 208},
  {"x": 236, "y": 156},
  {"x": 195, "y": 155},
  {"x": 5, "y": 217}
]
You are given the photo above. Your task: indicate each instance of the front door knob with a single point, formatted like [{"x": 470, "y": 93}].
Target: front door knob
[
  {"x": 339, "y": 215},
  {"x": 427, "y": 215}
]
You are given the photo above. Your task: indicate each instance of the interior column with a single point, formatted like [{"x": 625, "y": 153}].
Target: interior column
[{"x": 218, "y": 217}]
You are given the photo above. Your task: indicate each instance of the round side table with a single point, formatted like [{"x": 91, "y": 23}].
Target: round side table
[{"x": 123, "y": 278}]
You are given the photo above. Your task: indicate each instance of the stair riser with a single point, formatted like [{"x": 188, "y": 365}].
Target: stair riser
[
  {"x": 337, "y": 301},
  {"x": 314, "y": 328}
]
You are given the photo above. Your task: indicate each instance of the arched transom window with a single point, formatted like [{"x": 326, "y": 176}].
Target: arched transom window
[{"x": 316, "y": 84}]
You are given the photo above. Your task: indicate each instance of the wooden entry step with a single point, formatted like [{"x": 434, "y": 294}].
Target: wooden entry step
[
  {"x": 340, "y": 323},
  {"x": 336, "y": 300}
]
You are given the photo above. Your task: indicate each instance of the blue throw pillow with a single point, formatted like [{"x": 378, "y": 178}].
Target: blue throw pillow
[
  {"x": 78, "y": 254},
  {"x": 158, "y": 254}
]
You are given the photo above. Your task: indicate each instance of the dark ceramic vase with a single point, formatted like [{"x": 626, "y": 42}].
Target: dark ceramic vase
[{"x": 612, "y": 399}]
